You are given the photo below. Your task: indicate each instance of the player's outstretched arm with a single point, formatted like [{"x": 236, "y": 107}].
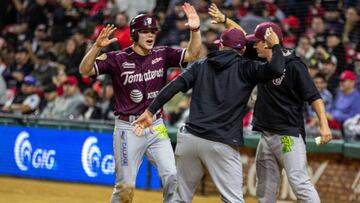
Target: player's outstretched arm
[
  {"x": 325, "y": 132},
  {"x": 218, "y": 17},
  {"x": 146, "y": 119},
  {"x": 194, "y": 47},
  {"x": 87, "y": 63}
]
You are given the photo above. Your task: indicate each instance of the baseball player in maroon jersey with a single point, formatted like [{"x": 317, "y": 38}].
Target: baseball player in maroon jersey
[{"x": 138, "y": 73}]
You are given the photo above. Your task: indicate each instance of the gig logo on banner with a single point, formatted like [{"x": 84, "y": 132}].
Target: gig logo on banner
[
  {"x": 92, "y": 160},
  {"x": 24, "y": 158}
]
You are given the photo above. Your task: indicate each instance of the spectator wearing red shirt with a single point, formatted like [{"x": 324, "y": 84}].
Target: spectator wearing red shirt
[{"x": 123, "y": 30}]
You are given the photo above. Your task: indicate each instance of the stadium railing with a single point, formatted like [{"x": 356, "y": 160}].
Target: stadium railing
[{"x": 251, "y": 139}]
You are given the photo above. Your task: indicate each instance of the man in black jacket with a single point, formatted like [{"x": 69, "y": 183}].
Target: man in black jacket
[
  {"x": 221, "y": 86},
  {"x": 278, "y": 116}
]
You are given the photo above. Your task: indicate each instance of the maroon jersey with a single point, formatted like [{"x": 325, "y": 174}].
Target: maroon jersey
[{"x": 137, "y": 79}]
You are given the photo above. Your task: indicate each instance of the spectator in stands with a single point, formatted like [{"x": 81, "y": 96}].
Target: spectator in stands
[
  {"x": 21, "y": 67},
  {"x": 327, "y": 97},
  {"x": 332, "y": 17},
  {"x": 352, "y": 129},
  {"x": 180, "y": 114},
  {"x": 290, "y": 27},
  {"x": 58, "y": 79},
  {"x": 315, "y": 9},
  {"x": 65, "y": 20},
  {"x": 8, "y": 12},
  {"x": 2, "y": 82},
  {"x": 107, "y": 102},
  {"x": 210, "y": 36},
  {"x": 80, "y": 38},
  {"x": 313, "y": 67},
  {"x": 71, "y": 58},
  {"x": 67, "y": 105},
  {"x": 352, "y": 26},
  {"x": 335, "y": 47},
  {"x": 328, "y": 68},
  {"x": 312, "y": 123},
  {"x": 50, "y": 28},
  {"x": 357, "y": 70},
  {"x": 305, "y": 50},
  {"x": 135, "y": 7},
  {"x": 312, "y": 127},
  {"x": 48, "y": 104},
  {"x": 89, "y": 110},
  {"x": 47, "y": 46},
  {"x": 43, "y": 69},
  {"x": 35, "y": 14},
  {"x": 26, "y": 101},
  {"x": 175, "y": 12},
  {"x": 346, "y": 103},
  {"x": 255, "y": 15},
  {"x": 317, "y": 32},
  {"x": 230, "y": 12},
  {"x": 178, "y": 34},
  {"x": 39, "y": 34},
  {"x": 122, "y": 33}
]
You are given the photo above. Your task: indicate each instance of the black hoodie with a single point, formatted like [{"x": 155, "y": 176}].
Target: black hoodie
[
  {"x": 222, "y": 84},
  {"x": 279, "y": 104}
]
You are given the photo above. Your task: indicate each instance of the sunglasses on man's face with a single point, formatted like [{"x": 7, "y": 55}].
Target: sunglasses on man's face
[{"x": 148, "y": 31}]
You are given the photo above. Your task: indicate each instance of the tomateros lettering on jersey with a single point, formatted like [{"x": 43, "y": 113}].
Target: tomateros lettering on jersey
[{"x": 130, "y": 77}]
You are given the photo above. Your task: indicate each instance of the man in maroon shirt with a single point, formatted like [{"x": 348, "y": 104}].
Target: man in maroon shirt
[{"x": 138, "y": 73}]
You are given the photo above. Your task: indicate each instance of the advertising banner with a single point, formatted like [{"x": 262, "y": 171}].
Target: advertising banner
[{"x": 66, "y": 155}]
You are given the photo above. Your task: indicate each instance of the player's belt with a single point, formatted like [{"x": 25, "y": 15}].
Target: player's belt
[{"x": 132, "y": 118}]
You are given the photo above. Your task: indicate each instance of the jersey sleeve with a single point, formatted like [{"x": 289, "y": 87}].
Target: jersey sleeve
[
  {"x": 303, "y": 82},
  {"x": 256, "y": 72},
  {"x": 105, "y": 63},
  {"x": 189, "y": 76},
  {"x": 174, "y": 57}
]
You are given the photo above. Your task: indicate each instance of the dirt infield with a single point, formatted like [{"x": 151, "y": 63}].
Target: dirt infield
[{"x": 17, "y": 190}]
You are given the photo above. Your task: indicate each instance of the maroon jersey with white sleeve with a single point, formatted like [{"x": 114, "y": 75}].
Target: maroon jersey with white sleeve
[{"x": 137, "y": 79}]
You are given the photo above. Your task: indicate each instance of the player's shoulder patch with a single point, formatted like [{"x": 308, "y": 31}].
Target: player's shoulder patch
[{"x": 102, "y": 57}]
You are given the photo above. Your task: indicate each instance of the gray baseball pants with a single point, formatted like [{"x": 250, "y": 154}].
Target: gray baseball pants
[
  {"x": 275, "y": 152},
  {"x": 129, "y": 151},
  {"x": 221, "y": 160}
]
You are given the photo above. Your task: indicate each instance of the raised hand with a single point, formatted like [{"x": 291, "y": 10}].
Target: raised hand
[
  {"x": 103, "y": 38},
  {"x": 144, "y": 121},
  {"x": 271, "y": 38},
  {"x": 216, "y": 15},
  {"x": 192, "y": 16}
]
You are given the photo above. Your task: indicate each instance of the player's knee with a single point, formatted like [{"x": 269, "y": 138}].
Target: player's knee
[
  {"x": 171, "y": 178},
  {"x": 126, "y": 192},
  {"x": 301, "y": 185}
]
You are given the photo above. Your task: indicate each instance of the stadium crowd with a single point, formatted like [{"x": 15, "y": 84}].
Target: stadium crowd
[{"x": 43, "y": 41}]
